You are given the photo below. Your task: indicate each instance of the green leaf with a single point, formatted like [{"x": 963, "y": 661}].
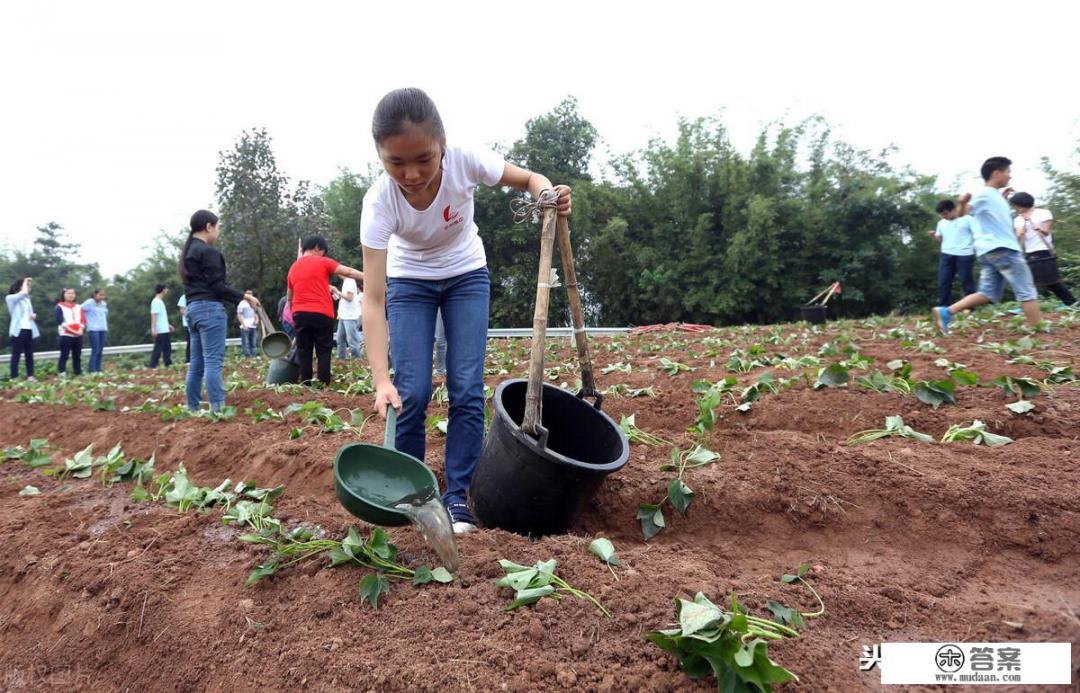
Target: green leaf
[
  {"x": 680, "y": 495},
  {"x": 1021, "y": 407},
  {"x": 29, "y": 491},
  {"x": 789, "y": 578},
  {"x": 338, "y": 556},
  {"x": 371, "y": 586},
  {"x": 517, "y": 580},
  {"x": 652, "y": 519},
  {"x": 511, "y": 567},
  {"x": 352, "y": 544},
  {"x": 260, "y": 572},
  {"x": 380, "y": 545},
  {"x": 701, "y": 457},
  {"x": 295, "y": 433},
  {"x": 442, "y": 575},
  {"x": 785, "y": 615},
  {"x": 834, "y": 375},
  {"x": 935, "y": 393},
  {"x": 963, "y": 377},
  {"x": 530, "y": 596},
  {"x": 605, "y": 550},
  {"x": 422, "y": 575},
  {"x": 695, "y": 616}
]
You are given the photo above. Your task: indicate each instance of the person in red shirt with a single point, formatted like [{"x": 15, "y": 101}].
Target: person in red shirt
[
  {"x": 72, "y": 324},
  {"x": 312, "y": 308}
]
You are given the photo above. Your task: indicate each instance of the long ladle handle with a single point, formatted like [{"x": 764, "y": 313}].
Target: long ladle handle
[
  {"x": 566, "y": 252},
  {"x": 534, "y": 392}
]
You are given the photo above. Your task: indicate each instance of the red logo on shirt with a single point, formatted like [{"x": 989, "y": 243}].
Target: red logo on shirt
[{"x": 452, "y": 217}]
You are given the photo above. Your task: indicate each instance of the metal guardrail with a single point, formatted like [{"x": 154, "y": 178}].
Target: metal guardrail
[{"x": 500, "y": 333}]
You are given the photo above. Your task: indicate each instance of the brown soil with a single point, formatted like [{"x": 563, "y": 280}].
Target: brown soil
[{"x": 909, "y": 541}]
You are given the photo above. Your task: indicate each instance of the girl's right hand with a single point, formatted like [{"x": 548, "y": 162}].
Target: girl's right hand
[{"x": 386, "y": 395}]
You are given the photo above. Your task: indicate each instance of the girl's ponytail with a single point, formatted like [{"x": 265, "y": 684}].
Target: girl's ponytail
[{"x": 199, "y": 221}]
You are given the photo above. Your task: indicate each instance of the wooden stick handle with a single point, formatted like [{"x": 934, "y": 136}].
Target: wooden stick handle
[
  {"x": 534, "y": 392},
  {"x": 566, "y": 252}
]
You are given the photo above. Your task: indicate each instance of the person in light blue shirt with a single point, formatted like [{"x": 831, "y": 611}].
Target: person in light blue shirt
[
  {"x": 22, "y": 328},
  {"x": 160, "y": 328},
  {"x": 957, "y": 251},
  {"x": 1000, "y": 257},
  {"x": 96, "y": 311}
]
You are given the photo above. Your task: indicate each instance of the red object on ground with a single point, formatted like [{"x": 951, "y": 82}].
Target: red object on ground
[{"x": 680, "y": 326}]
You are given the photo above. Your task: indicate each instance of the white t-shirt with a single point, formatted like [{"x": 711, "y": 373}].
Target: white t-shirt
[
  {"x": 441, "y": 241},
  {"x": 1033, "y": 240},
  {"x": 349, "y": 310},
  {"x": 247, "y": 315}
]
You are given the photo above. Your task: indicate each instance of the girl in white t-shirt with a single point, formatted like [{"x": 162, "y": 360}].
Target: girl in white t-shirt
[
  {"x": 422, "y": 253},
  {"x": 1033, "y": 228}
]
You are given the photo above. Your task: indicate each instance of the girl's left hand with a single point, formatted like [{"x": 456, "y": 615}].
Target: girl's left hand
[{"x": 563, "y": 204}]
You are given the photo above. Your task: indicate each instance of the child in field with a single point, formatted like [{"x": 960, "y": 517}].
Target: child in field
[
  {"x": 422, "y": 254},
  {"x": 953, "y": 232},
  {"x": 1033, "y": 227},
  {"x": 313, "y": 311},
  {"x": 997, "y": 248},
  {"x": 71, "y": 323}
]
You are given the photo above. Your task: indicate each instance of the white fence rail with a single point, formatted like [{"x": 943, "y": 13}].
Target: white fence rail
[{"x": 512, "y": 332}]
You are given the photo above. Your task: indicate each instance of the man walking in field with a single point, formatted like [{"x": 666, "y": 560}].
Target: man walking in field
[{"x": 1000, "y": 257}]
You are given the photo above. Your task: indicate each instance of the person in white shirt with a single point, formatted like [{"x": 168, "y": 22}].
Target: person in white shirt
[
  {"x": 1034, "y": 230},
  {"x": 249, "y": 323},
  {"x": 422, "y": 253},
  {"x": 350, "y": 307}
]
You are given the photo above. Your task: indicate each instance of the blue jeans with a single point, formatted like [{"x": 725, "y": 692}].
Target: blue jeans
[
  {"x": 411, "y": 306},
  {"x": 98, "y": 340},
  {"x": 948, "y": 268},
  {"x": 1001, "y": 266},
  {"x": 440, "y": 345},
  {"x": 248, "y": 342},
  {"x": 348, "y": 333},
  {"x": 207, "y": 323}
]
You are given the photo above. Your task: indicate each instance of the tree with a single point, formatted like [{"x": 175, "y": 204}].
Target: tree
[
  {"x": 130, "y": 293},
  {"x": 559, "y": 145},
  {"x": 262, "y": 218},
  {"x": 343, "y": 199}
]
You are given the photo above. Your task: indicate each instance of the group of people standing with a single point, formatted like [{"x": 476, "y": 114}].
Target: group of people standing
[
  {"x": 73, "y": 321},
  {"x": 1007, "y": 248},
  {"x": 425, "y": 281}
]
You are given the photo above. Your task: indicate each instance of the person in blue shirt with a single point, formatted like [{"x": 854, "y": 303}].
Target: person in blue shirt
[
  {"x": 160, "y": 328},
  {"x": 957, "y": 252},
  {"x": 1000, "y": 257},
  {"x": 96, "y": 311},
  {"x": 22, "y": 327}
]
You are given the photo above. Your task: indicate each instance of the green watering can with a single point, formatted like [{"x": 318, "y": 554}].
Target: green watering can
[{"x": 371, "y": 479}]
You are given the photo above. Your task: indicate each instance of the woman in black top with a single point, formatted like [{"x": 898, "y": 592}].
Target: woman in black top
[{"x": 202, "y": 270}]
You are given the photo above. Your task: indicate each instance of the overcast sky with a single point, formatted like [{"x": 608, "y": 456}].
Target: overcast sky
[{"x": 115, "y": 111}]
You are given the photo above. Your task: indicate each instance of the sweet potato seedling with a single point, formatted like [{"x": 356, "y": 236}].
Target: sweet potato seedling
[
  {"x": 533, "y": 583},
  {"x": 894, "y": 427},
  {"x": 679, "y": 494}
]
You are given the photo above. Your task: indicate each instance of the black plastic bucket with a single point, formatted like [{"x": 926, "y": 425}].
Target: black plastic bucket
[
  {"x": 815, "y": 313},
  {"x": 1044, "y": 269},
  {"x": 523, "y": 486}
]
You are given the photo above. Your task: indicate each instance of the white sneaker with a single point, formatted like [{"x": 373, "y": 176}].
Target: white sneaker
[{"x": 463, "y": 527}]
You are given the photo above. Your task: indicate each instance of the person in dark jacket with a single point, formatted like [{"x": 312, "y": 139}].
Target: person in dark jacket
[{"x": 202, "y": 270}]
